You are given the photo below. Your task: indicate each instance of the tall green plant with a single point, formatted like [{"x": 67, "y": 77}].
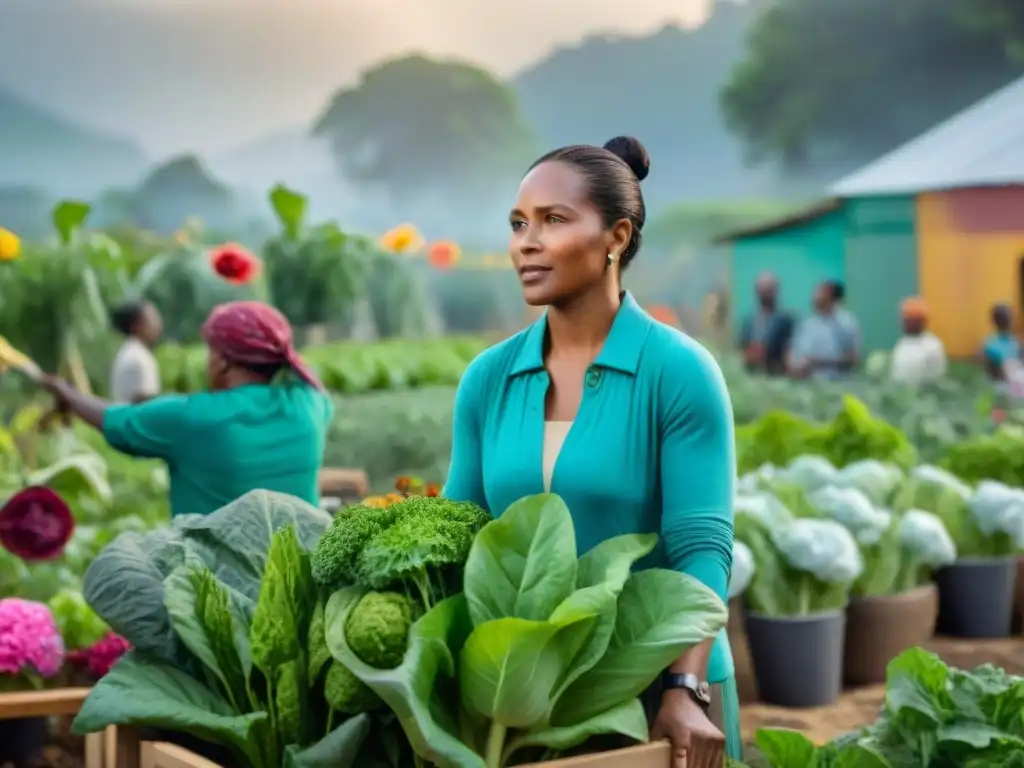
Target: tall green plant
[
  {"x": 315, "y": 274},
  {"x": 55, "y": 297}
]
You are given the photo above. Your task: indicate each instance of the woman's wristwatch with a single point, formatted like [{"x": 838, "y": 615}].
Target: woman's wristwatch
[{"x": 698, "y": 689}]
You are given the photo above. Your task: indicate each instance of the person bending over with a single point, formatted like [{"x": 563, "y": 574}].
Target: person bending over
[{"x": 261, "y": 425}]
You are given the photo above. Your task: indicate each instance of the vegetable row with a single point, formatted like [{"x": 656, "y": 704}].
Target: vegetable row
[
  {"x": 809, "y": 536},
  {"x": 347, "y": 367}
]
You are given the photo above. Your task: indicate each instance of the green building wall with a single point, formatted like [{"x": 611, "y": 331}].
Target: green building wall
[
  {"x": 881, "y": 265},
  {"x": 869, "y": 243},
  {"x": 800, "y": 256}
]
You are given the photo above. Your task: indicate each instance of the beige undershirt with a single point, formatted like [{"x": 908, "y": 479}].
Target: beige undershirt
[{"x": 555, "y": 433}]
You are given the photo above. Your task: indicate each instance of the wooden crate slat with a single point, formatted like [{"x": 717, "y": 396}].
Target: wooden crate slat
[
  {"x": 53, "y": 702},
  {"x": 657, "y": 755},
  {"x": 160, "y": 754}
]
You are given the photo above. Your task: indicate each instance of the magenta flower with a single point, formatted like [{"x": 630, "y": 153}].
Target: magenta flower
[
  {"x": 30, "y": 643},
  {"x": 101, "y": 655}
]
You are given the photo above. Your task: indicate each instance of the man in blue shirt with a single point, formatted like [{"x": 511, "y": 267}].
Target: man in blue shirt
[{"x": 1002, "y": 345}]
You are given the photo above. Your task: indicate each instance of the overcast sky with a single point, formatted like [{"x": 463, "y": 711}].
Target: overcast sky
[{"x": 212, "y": 74}]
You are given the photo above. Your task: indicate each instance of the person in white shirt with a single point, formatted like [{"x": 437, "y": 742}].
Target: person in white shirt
[
  {"x": 135, "y": 374},
  {"x": 918, "y": 357}
]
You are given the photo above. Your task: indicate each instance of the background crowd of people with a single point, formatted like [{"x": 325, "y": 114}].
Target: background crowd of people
[{"x": 825, "y": 344}]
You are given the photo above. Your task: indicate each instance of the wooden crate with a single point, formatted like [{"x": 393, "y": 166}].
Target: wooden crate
[
  {"x": 344, "y": 482},
  {"x": 100, "y": 748},
  {"x": 658, "y": 755},
  {"x": 133, "y": 753}
]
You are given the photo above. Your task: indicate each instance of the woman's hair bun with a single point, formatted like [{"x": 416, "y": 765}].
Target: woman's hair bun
[{"x": 632, "y": 153}]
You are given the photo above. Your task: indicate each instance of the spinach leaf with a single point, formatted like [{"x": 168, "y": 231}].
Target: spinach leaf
[
  {"x": 523, "y": 564},
  {"x": 660, "y": 615}
]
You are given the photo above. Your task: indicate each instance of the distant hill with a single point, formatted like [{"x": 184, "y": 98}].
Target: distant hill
[
  {"x": 43, "y": 150},
  {"x": 663, "y": 89}
]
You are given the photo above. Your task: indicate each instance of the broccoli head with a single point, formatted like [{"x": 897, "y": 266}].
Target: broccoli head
[
  {"x": 411, "y": 543},
  {"x": 377, "y": 629},
  {"x": 337, "y": 553},
  {"x": 346, "y": 693}
]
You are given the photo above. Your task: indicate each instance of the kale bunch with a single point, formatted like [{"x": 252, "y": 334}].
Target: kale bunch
[{"x": 415, "y": 547}]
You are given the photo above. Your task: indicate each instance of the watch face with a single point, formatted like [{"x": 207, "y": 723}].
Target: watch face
[{"x": 704, "y": 691}]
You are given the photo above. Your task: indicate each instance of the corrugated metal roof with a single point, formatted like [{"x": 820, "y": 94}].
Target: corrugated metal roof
[{"x": 979, "y": 147}]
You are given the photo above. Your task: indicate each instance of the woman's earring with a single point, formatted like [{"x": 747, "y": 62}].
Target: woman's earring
[{"x": 611, "y": 259}]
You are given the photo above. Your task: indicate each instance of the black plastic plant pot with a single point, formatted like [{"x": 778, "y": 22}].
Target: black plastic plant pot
[
  {"x": 976, "y": 597},
  {"x": 22, "y": 740},
  {"x": 798, "y": 660}
]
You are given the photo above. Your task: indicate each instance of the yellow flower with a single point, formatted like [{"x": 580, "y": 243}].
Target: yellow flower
[
  {"x": 404, "y": 238},
  {"x": 10, "y": 245}
]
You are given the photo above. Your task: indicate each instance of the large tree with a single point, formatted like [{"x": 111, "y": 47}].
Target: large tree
[
  {"x": 414, "y": 125},
  {"x": 835, "y": 80}
]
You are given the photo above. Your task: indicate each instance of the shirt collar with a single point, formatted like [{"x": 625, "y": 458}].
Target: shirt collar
[{"x": 621, "y": 350}]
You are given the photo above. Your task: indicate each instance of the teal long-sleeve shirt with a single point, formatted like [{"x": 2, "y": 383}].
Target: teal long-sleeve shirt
[{"x": 651, "y": 449}]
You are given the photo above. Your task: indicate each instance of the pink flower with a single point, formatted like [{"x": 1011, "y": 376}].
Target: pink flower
[{"x": 30, "y": 642}]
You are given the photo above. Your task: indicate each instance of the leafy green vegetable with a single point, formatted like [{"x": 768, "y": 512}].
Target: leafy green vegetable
[
  {"x": 125, "y": 584},
  {"x": 802, "y": 565},
  {"x": 934, "y": 716},
  {"x": 144, "y": 691},
  {"x": 253, "y": 655},
  {"x": 543, "y": 649}
]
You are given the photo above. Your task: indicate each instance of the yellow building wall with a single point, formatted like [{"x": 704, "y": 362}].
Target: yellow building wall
[{"x": 962, "y": 274}]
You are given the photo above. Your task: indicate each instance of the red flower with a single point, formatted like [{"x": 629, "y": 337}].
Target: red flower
[
  {"x": 664, "y": 314},
  {"x": 101, "y": 655},
  {"x": 35, "y": 524},
  {"x": 235, "y": 264},
  {"x": 433, "y": 489},
  {"x": 998, "y": 415},
  {"x": 444, "y": 254}
]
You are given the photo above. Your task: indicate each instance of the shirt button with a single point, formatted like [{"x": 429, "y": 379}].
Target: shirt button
[{"x": 594, "y": 378}]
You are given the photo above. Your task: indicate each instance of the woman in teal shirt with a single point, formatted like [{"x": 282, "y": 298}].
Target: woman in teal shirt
[
  {"x": 248, "y": 432},
  {"x": 625, "y": 418}
]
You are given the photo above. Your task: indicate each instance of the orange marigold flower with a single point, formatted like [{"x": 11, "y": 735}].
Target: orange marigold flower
[{"x": 404, "y": 238}]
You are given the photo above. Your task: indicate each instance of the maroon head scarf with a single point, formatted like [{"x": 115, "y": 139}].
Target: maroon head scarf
[{"x": 252, "y": 333}]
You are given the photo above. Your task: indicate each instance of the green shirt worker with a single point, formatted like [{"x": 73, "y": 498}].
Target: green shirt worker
[
  {"x": 251, "y": 430},
  {"x": 625, "y": 418}
]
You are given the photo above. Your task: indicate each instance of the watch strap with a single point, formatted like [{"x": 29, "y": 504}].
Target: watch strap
[{"x": 698, "y": 689}]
